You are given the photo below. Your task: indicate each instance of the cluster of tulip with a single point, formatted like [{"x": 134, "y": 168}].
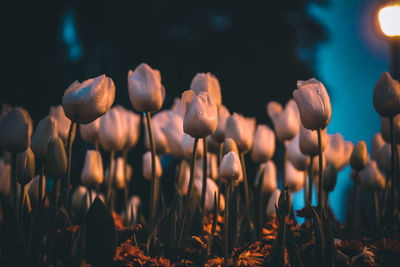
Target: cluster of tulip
[{"x": 210, "y": 145}]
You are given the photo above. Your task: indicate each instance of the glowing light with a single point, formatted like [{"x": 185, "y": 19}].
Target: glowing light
[{"x": 389, "y": 20}]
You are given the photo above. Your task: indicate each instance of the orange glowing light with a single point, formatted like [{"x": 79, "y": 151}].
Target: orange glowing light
[{"x": 389, "y": 20}]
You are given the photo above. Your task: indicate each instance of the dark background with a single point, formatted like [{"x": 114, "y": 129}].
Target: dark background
[{"x": 257, "y": 50}]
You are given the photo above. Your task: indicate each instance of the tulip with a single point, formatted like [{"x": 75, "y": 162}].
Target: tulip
[
  {"x": 46, "y": 130},
  {"x": 212, "y": 189},
  {"x": 16, "y": 130},
  {"x": 5, "y": 178},
  {"x": 25, "y": 166},
  {"x": 272, "y": 203},
  {"x": 308, "y": 141},
  {"x": 146, "y": 92},
  {"x": 183, "y": 178},
  {"x": 173, "y": 131},
  {"x": 338, "y": 151},
  {"x": 385, "y": 129},
  {"x": 294, "y": 155},
  {"x": 200, "y": 114},
  {"x": 376, "y": 147},
  {"x": 132, "y": 210},
  {"x": 92, "y": 172},
  {"x": 386, "y": 97},
  {"x": 286, "y": 121},
  {"x": 314, "y": 104},
  {"x": 264, "y": 144},
  {"x": 230, "y": 167},
  {"x": 359, "y": 156},
  {"x": 330, "y": 178},
  {"x": 269, "y": 181},
  {"x": 229, "y": 145},
  {"x": 113, "y": 129},
  {"x": 219, "y": 134},
  {"x": 207, "y": 82},
  {"x": 241, "y": 130},
  {"x": 34, "y": 190},
  {"x": 81, "y": 200},
  {"x": 56, "y": 159},
  {"x": 158, "y": 122},
  {"x": 90, "y": 132},
  {"x": 177, "y": 107},
  {"x": 84, "y": 102},
  {"x": 133, "y": 129},
  {"x": 63, "y": 122},
  {"x": 147, "y": 172},
  {"x": 187, "y": 147},
  {"x": 120, "y": 179},
  {"x": 371, "y": 178},
  {"x": 294, "y": 178}
]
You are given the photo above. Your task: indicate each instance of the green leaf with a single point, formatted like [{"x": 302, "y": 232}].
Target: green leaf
[
  {"x": 319, "y": 234},
  {"x": 101, "y": 238},
  {"x": 277, "y": 251},
  {"x": 293, "y": 250}
]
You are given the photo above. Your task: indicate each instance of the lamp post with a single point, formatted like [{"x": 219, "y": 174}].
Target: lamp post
[{"x": 389, "y": 21}]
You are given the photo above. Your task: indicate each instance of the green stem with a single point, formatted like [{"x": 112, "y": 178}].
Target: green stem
[
  {"x": 246, "y": 185},
  {"x": 126, "y": 188},
  {"x": 221, "y": 152},
  {"x": 376, "y": 202},
  {"x": 353, "y": 214},
  {"x": 110, "y": 178},
  {"x": 226, "y": 218},
  {"x": 41, "y": 178},
  {"x": 393, "y": 183},
  {"x": 97, "y": 146},
  {"x": 153, "y": 200},
  {"x": 204, "y": 188},
  {"x": 189, "y": 191},
  {"x": 70, "y": 141},
  {"x": 90, "y": 196},
  {"x": 320, "y": 182},
  {"x": 21, "y": 205},
  {"x": 310, "y": 180},
  {"x": 284, "y": 167},
  {"x": 305, "y": 187},
  {"x": 14, "y": 180}
]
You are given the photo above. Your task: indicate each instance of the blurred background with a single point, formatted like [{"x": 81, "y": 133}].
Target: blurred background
[{"x": 257, "y": 50}]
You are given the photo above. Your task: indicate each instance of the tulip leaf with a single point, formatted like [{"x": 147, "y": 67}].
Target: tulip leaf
[
  {"x": 293, "y": 250},
  {"x": 14, "y": 250},
  {"x": 101, "y": 238},
  {"x": 277, "y": 251},
  {"x": 319, "y": 234}
]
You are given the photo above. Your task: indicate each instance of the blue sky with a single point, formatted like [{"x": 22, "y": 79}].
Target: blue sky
[{"x": 349, "y": 63}]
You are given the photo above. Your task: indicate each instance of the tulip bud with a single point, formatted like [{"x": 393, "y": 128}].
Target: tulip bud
[
  {"x": 207, "y": 82},
  {"x": 241, "y": 130},
  {"x": 314, "y": 104},
  {"x": 80, "y": 201},
  {"x": 385, "y": 129},
  {"x": 294, "y": 155},
  {"x": 308, "y": 141},
  {"x": 385, "y": 157},
  {"x": 359, "y": 156},
  {"x": 219, "y": 134},
  {"x": 113, "y": 129},
  {"x": 158, "y": 122},
  {"x": 386, "y": 97},
  {"x": 120, "y": 179},
  {"x": 200, "y": 114},
  {"x": 264, "y": 144},
  {"x": 90, "y": 132},
  {"x": 286, "y": 122},
  {"x": 63, "y": 122},
  {"x": 284, "y": 203},
  {"x": 133, "y": 129},
  {"x": 371, "y": 178},
  {"x": 33, "y": 189},
  {"x": 230, "y": 168},
  {"x": 46, "y": 130},
  {"x": 294, "y": 178},
  {"x": 230, "y": 145},
  {"x": 183, "y": 178},
  {"x": 330, "y": 177},
  {"x": 173, "y": 131},
  {"x": 16, "y": 130},
  {"x": 56, "y": 159},
  {"x": 338, "y": 151},
  {"x": 146, "y": 92},
  {"x": 92, "y": 172},
  {"x": 132, "y": 210},
  {"x": 187, "y": 147},
  {"x": 272, "y": 203},
  {"x": 147, "y": 166},
  {"x": 5, "y": 178},
  {"x": 376, "y": 147},
  {"x": 269, "y": 181},
  {"x": 25, "y": 166},
  {"x": 212, "y": 189},
  {"x": 177, "y": 107},
  {"x": 89, "y": 100}
]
